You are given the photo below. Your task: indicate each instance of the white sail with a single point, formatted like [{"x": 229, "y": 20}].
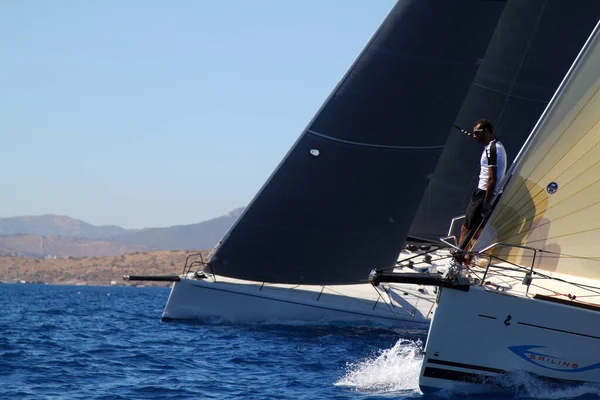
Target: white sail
[{"x": 552, "y": 200}]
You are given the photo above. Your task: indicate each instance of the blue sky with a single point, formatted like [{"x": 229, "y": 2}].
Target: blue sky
[{"x": 144, "y": 113}]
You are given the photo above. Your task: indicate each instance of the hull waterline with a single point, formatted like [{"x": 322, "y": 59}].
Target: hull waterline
[
  {"x": 407, "y": 306},
  {"x": 478, "y": 338}
]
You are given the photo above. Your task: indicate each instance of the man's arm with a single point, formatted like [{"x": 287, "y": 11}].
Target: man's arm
[
  {"x": 491, "y": 185},
  {"x": 492, "y": 159}
]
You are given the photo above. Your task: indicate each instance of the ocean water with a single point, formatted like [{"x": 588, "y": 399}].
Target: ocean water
[{"x": 80, "y": 342}]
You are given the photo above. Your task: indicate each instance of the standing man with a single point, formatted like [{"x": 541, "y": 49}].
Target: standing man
[{"x": 493, "y": 168}]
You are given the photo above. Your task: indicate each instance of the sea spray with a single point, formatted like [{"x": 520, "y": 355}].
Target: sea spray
[
  {"x": 522, "y": 384},
  {"x": 395, "y": 369}
]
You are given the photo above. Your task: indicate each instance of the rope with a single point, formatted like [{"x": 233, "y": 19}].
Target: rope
[{"x": 414, "y": 342}]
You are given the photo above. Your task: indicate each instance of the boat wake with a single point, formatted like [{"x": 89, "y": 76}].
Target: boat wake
[
  {"x": 524, "y": 385},
  {"x": 396, "y": 371},
  {"x": 521, "y": 384},
  {"x": 392, "y": 370}
]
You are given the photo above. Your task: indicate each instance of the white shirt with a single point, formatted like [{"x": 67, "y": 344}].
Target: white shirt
[{"x": 493, "y": 155}]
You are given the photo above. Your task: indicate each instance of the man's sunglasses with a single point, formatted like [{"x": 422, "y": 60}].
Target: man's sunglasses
[{"x": 478, "y": 131}]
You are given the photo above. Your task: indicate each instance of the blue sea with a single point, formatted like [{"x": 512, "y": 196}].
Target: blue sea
[{"x": 84, "y": 342}]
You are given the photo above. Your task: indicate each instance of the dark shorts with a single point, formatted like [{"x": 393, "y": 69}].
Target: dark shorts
[{"x": 473, "y": 215}]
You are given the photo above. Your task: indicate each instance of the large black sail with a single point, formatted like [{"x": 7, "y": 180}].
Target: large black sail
[
  {"x": 342, "y": 200},
  {"x": 534, "y": 44}
]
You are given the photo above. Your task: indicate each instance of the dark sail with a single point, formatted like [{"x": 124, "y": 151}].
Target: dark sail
[
  {"x": 535, "y": 43},
  {"x": 342, "y": 200}
]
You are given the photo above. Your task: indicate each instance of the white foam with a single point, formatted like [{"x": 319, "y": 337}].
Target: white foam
[
  {"x": 523, "y": 384},
  {"x": 395, "y": 369}
]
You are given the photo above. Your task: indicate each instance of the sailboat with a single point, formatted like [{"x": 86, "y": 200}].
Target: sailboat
[
  {"x": 533, "y": 302},
  {"x": 342, "y": 200}
]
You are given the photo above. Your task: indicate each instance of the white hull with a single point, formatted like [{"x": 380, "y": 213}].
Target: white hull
[
  {"x": 407, "y": 306},
  {"x": 477, "y": 336}
]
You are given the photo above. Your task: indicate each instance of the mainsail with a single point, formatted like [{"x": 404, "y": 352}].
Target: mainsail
[
  {"x": 534, "y": 44},
  {"x": 341, "y": 202},
  {"x": 551, "y": 202}
]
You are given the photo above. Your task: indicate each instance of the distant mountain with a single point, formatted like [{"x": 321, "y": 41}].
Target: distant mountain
[
  {"x": 57, "y": 225},
  {"x": 203, "y": 235},
  {"x": 40, "y": 236},
  {"x": 60, "y": 246}
]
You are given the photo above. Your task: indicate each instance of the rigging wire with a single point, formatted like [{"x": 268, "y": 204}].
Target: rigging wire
[
  {"x": 590, "y": 288},
  {"x": 406, "y": 330},
  {"x": 522, "y": 60}
]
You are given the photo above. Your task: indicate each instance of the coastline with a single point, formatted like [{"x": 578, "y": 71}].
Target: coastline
[{"x": 94, "y": 271}]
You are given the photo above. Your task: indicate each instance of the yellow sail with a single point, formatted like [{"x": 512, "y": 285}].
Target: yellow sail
[{"x": 552, "y": 200}]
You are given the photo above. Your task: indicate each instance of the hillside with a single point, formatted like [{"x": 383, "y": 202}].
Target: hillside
[
  {"x": 57, "y": 225},
  {"x": 42, "y": 246},
  {"x": 93, "y": 270},
  {"x": 63, "y": 236},
  {"x": 204, "y": 235}
]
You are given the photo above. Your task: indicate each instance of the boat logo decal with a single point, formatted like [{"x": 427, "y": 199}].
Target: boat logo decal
[
  {"x": 549, "y": 361},
  {"x": 552, "y": 187}
]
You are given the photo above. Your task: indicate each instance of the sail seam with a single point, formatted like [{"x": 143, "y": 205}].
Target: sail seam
[
  {"x": 527, "y": 207},
  {"x": 541, "y": 213},
  {"x": 553, "y": 255},
  {"x": 512, "y": 85},
  {"x": 508, "y": 94},
  {"x": 373, "y": 145},
  {"x": 575, "y": 162},
  {"x": 517, "y": 191},
  {"x": 565, "y": 235}
]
